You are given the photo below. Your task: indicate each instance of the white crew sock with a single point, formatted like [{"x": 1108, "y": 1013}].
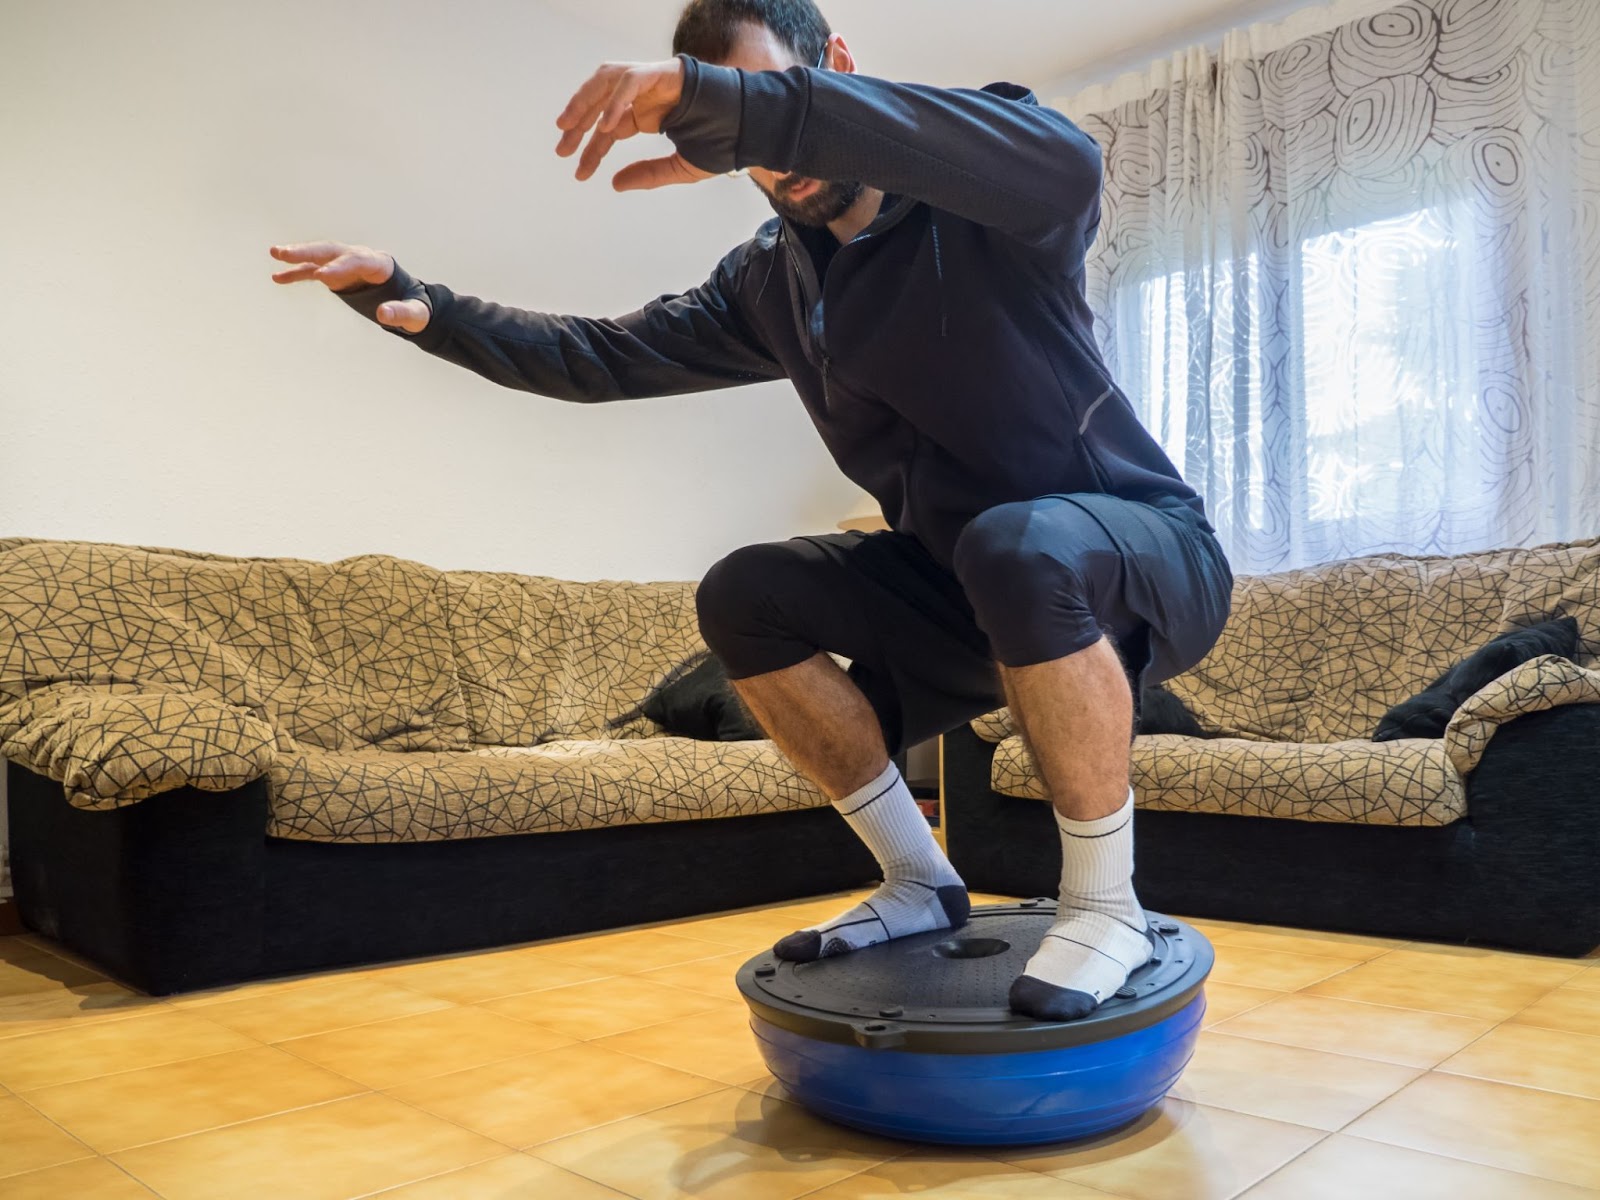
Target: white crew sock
[
  {"x": 1099, "y": 937},
  {"x": 921, "y": 890}
]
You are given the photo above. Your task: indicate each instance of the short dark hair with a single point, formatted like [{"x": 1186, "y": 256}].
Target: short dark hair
[{"x": 707, "y": 28}]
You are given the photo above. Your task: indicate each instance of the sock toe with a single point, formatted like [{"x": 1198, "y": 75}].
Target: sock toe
[
  {"x": 803, "y": 945},
  {"x": 1046, "y": 1002}
]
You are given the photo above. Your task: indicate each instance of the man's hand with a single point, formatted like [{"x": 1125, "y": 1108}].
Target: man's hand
[
  {"x": 618, "y": 101},
  {"x": 342, "y": 267}
]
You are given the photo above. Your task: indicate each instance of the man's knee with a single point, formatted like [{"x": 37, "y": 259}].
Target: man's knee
[
  {"x": 1007, "y": 571},
  {"x": 734, "y": 586},
  {"x": 741, "y": 605}
]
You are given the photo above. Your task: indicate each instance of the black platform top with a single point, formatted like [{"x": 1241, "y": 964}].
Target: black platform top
[{"x": 945, "y": 992}]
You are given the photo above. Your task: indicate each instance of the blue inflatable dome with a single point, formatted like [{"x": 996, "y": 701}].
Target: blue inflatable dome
[{"x": 913, "y": 1038}]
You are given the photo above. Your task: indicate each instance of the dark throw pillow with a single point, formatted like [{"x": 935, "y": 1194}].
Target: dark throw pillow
[
  {"x": 1427, "y": 713},
  {"x": 696, "y": 700},
  {"x": 1162, "y": 712}
]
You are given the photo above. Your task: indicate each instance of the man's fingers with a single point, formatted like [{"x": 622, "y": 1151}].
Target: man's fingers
[
  {"x": 341, "y": 272},
  {"x": 586, "y": 102},
  {"x": 582, "y": 125},
  {"x": 410, "y": 315},
  {"x": 295, "y": 274},
  {"x": 569, "y": 143},
  {"x": 657, "y": 172},
  {"x": 309, "y": 252},
  {"x": 599, "y": 146},
  {"x": 618, "y": 101},
  {"x": 339, "y": 266},
  {"x": 617, "y": 105}
]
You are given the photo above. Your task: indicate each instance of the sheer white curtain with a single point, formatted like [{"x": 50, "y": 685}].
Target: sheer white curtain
[{"x": 1349, "y": 272}]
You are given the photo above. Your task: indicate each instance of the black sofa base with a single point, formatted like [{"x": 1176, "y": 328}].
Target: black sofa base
[
  {"x": 183, "y": 891},
  {"x": 1522, "y": 870}
]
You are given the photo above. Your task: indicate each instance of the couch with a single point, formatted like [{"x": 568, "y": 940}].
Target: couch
[
  {"x": 223, "y": 768},
  {"x": 1287, "y": 812}
]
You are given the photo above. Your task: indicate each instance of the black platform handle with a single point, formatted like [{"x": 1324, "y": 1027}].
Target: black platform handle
[{"x": 879, "y": 1035}]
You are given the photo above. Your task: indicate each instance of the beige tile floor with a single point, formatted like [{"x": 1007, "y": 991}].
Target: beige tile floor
[{"x": 620, "y": 1065}]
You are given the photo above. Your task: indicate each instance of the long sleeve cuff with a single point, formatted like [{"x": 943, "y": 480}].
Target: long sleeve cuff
[
  {"x": 704, "y": 125},
  {"x": 366, "y": 298}
]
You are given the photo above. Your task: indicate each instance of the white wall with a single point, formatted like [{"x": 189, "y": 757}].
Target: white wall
[{"x": 158, "y": 388}]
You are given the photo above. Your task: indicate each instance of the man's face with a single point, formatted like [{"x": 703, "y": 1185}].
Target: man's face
[{"x": 804, "y": 201}]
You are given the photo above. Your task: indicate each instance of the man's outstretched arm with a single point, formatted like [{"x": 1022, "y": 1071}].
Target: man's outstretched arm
[
  {"x": 692, "y": 342},
  {"x": 1021, "y": 168}
]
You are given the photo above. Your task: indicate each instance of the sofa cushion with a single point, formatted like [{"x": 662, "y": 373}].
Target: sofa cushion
[
  {"x": 1258, "y": 678},
  {"x": 114, "y": 745},
  {"x": 1539, "y": 685},
  {"x": 632, "y": 635},
  {"x": 379, "y": 634},
  {"x": 334, "y": 655},
  {"x": 516, "y": 641},
  {"x": 547, "y": 658},
  {"x": 1410, "y": 782},
  {"x": 371, "y": 795},
  {"x": 1319, "y": 654}
]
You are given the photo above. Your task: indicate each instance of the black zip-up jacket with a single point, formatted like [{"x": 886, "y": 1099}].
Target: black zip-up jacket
[{"x": 946, "y": 354}]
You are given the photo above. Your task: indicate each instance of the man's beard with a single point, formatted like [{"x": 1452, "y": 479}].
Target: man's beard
[{"x": 828, "y": 203}]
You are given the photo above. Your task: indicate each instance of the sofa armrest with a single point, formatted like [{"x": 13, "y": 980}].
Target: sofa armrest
[
  {"x": 996, "y": 726},
  {"x": 1539, "y": 684},
  {"x": 115, "y": 744}
]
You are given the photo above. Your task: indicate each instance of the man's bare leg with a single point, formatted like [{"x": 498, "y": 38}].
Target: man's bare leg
[
  {"x": 1076, "y": 716},
  {"x": 827, "y": 729},
  {"x": 821, "y": 722}
]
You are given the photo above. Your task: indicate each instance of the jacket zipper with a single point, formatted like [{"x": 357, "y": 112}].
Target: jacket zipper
[
  {"x": 816, "y": 333},
  {"x": 818, "y": 338}
]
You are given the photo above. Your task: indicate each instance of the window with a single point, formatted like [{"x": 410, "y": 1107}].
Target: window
[{"x": 1367, "y": 424}]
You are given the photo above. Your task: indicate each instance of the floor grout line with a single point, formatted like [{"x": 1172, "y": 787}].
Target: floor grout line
[
  {"x": 713, "y": 1007},
  {"x": 281, "y": 1112},
  {"x": 1527, "y": 1087},
  {"x": 88, "y": 1151},
  {"x": 854, "y": 1174},
  {"x": 1471, "y": 1162},
  {"x": 111, "y": 1014},
  {"x": 44, "y": 1087},
  {"x": 1281, "y": 1167},
  {"x": 1422, "y": 1073}
]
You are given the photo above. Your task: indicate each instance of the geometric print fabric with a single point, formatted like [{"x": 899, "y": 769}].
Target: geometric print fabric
[
  {"x": 117, "y": 744},
  {"x": 127, "y": 671},
  {"x": 383, "y": 699},
  {"x": 1319, "y": 654},
  {"x": 1311, "y": 659},
  {"x": 1407, "y": 782},
  {"x": 583, "y": 783}
]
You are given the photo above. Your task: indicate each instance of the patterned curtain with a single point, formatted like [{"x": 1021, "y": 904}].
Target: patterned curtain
[{"x": 1349, "y": 274}]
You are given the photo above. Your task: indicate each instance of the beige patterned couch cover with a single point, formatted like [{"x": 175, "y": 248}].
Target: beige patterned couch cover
[
  {"x": 1311, "y": 659},
  {"x": 382, "y": 700}
]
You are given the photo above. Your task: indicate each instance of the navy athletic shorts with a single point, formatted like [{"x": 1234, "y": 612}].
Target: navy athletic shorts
[{"x": 1032, "y": 581}]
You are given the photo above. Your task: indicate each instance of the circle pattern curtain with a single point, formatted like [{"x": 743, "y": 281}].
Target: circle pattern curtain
[{"x": 1351, "y": 279}]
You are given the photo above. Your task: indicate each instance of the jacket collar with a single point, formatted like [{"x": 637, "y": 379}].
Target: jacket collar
[{"x": 1012, "y": 91}]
